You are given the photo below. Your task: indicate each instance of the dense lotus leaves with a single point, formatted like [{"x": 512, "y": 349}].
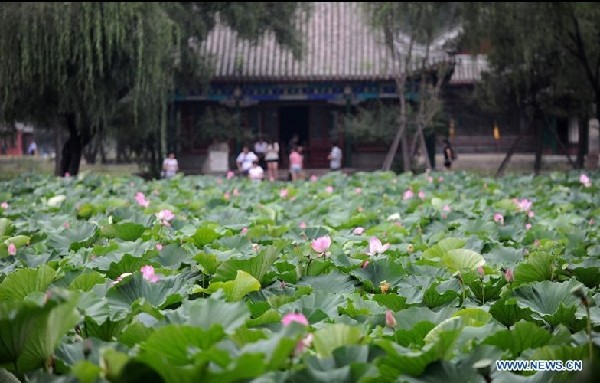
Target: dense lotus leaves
[
  {"x": 202, "y": 296},
  {"x": 30, "y": 332}
]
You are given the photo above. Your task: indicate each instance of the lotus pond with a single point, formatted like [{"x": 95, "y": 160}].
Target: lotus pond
[{"x": 373, "y": 277}]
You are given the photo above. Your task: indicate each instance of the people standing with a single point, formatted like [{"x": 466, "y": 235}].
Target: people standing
[
  {"x": 296, "y": 160},
  {"x": 32, "y": 149},
  {"x": 335, "y": 157},
  {"x": 260, "y": 149},
  {"x": 245, "y": 160},
  {"x": 170, "y": 166},
  {"x": 272, "y": 159}
]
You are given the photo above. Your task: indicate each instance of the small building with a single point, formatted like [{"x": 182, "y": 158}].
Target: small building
[{"x": 15, "y": 140}]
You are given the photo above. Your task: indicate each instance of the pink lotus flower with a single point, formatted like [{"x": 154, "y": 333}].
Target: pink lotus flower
[
  {"x": 66, "y": 225},
  {"x": 141, "y": 199},
  {"x": 159, "y": 247},
  {"x": 303, "y": 343},
  {"x": 524, "y": 204},
  {"x": 358, "y": 230},
  {"x": 446, "y": 209},
  {"x": 236, "y": 192},
  {"x": 440, "y": 179},
  {"x": 508, "y": 275},
  {"x": 283, "y": 193},
  {"x": 537, "y": 243},
  {"x": 527, "y": 226},
  {"x": 165, "y": 216},
  {"x": 148, "y": 273},
  {"x": 293, "y": 317},
  {"x": 481, "y": 272},
  {"x": 408, "y": 194},
  {"x": 302, "y": 225},
  {"x": 421, "y": 194},
  {"x": 585, "y": 180},
  {"x": 499, "y": 218},
  {"x": 12, "y": 249},
  {"x": 430, "y": 179},
  {"x": 375, "y": 246},
  {"x": 255, "y": 247},
  {"x": 364, "y": 264},
  {"x": 390, "y": 321},
  {"x": 358, "y": 190},
  {"x": 230, "y": 175},
  {"x": 67, "y": 175},
  {"x": 226, "y": 195},
  {"x": 321, "y": 244},
  {"x": 244, "y": 230},
  {"x": 120, "y": 278},
  {"x": 329, "y": 189},
  {"x": 530, "y": 214},
  {"x": 4, "y": 205},
  {"x": 313, "y": 178}
]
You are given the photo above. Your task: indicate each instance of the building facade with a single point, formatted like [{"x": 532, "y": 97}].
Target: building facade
[{"x": 345, "y": 64}]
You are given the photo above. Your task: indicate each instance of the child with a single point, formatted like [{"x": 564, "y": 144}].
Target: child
[
  {"x": 256, "y": 172},
  {"x": 296, "y": 159}
]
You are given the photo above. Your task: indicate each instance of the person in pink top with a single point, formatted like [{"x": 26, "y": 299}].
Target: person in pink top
[{"x": 296, "y": 159}]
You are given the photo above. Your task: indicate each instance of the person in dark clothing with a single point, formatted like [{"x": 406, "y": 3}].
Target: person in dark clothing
[{"x": 448, "y": 154}]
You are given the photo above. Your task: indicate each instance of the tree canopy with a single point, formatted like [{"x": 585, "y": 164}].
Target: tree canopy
[{"x": 71, "y": 64}]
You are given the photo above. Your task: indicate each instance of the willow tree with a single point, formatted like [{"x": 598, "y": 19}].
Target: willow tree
[
  {"x": 73, "y": 65},
  {"x": 413, "y": 33}
]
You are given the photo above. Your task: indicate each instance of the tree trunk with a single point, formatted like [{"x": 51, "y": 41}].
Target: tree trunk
[
  {"x": 584, "y": 132},
  {"x": 71, "y": 152},
  {"x": 401, "y": 132},
  {"x": 537, "y": 166},
  {"x": 58, "y": 143}
]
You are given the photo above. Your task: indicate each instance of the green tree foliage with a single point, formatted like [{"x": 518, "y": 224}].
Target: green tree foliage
[
  {"x": 72, "y": 64},
  {"x": 410, "y": 31},
  {"x": 543, "y": 56}
]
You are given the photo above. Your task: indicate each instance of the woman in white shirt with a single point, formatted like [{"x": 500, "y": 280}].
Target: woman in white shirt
[
  {"x": 170, "y": 166},
  {"x": 272, "y": 159}
]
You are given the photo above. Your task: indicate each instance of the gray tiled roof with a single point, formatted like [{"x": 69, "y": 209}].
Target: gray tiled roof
[{"x": 338, "y": 44}]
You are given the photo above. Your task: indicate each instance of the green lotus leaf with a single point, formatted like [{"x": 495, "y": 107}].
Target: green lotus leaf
[
  {"x": 260, "y": 267},
  {"x": 333, "y": 282},
  {"x": 73, "y": 238},
  {"x": 30, "y": 333},
  {"x": 383, "y": 269},
  {"x": 209, "y": 312},
  {"x": 350, "y": 363},
  {"x": 332, "y": 336},
  {"x": 160, "y": 294},
  {"x": 19, "y": 284},
  {"x": 316, "y": 306},
  {"x": 86, "y": 281},
  {"x": 507, "y": 312},
  {"x": 523, "y": 336},
  {"x": 171, "y": 351},
  {"x": 473, "y": 316},
  {"x": 234, "y": 290},
  {"x": 553, "y": 301},
  {"x": 537, "y": 267},
  {"x": 462, "y": 260},
  {"x": 127, "y": 231},
  {"x": 204, "y": 236},
  {"x": 6, "y": 227}
]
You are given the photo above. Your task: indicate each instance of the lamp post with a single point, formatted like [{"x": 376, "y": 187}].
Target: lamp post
[
  {"x": 347, "y": 137},
  {"x": 237, "y": 95}
]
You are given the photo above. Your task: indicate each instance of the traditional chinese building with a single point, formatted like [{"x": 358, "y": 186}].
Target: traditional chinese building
[{"x": 345, "y": 64}]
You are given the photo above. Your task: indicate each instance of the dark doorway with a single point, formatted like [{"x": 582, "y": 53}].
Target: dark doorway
[{"x": 293, "y": 120}]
